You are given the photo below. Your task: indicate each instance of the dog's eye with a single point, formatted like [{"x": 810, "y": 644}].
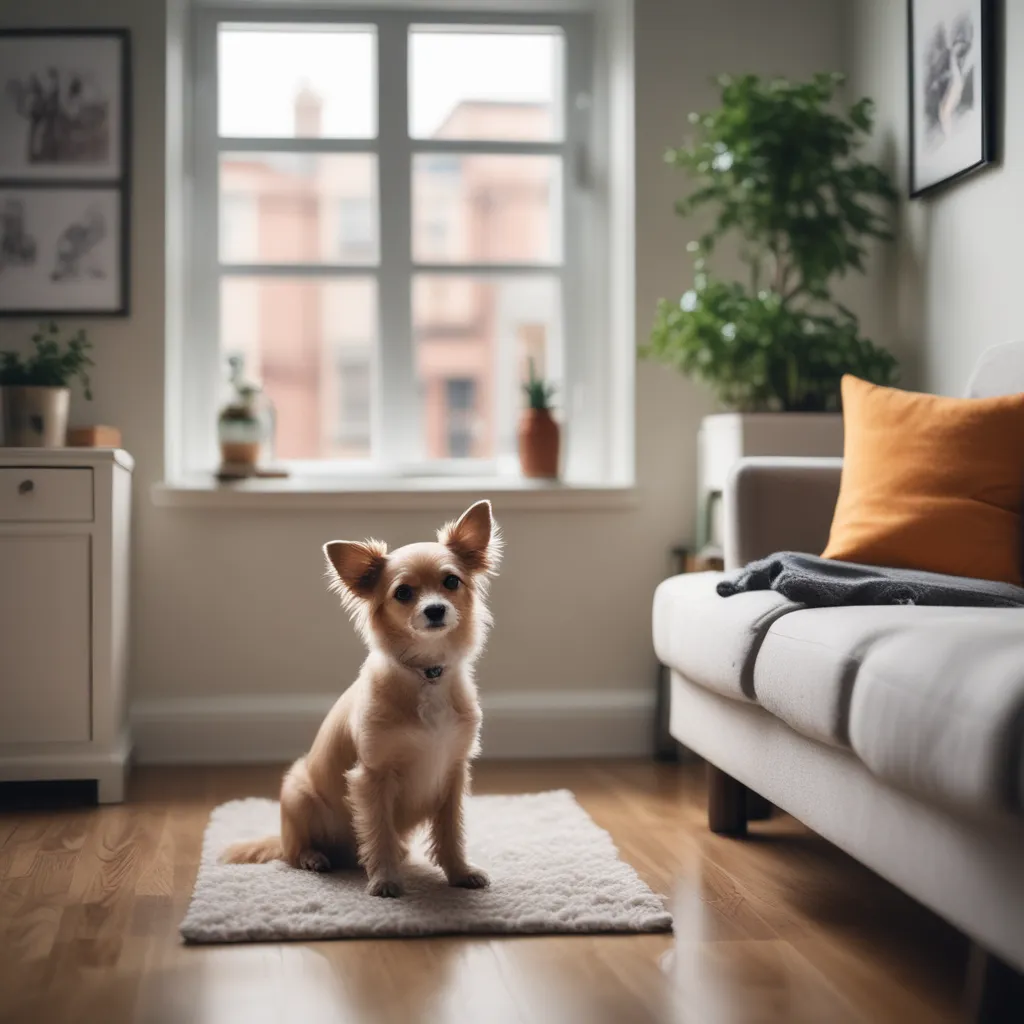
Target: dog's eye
[
  {"x": 451, "y": 582},
  {"x": 403, "y": 592}
]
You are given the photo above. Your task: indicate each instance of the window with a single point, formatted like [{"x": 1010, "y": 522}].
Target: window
[
  {"x": 357, "y": 233},
  {"x": 354, "y": 377},
  {"x": 239, "y": 223},
  {"x": 405, "y": 216},
  {"x": 460, "y": 397}
]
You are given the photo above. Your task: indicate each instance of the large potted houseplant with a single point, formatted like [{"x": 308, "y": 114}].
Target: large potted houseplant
[
  {"x": 35, "y": 389},
  {"x": 778, "y": 169}
]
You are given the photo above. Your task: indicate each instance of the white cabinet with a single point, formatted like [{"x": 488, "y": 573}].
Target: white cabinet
[
  {"x": 64, "y": 545},
  {"x": 44, "y": 593}
]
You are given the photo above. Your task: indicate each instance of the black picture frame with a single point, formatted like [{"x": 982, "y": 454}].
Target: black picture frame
[
  {"x": 921, "y": 184},
  {"x": 57, "y": 180}
]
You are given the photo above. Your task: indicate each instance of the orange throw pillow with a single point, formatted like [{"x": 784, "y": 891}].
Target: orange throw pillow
[{"x": 930, "y": 483}]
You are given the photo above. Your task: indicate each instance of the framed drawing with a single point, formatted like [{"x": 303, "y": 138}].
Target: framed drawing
[
  {"x": 64, "y": 171},
  {"x": 63, "y": 105},
  {"x": 62, "y": 251},
  {"x": 951, "y": 86}
]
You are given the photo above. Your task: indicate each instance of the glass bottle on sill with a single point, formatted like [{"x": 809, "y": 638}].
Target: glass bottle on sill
[{"x": 246, "y": 423}]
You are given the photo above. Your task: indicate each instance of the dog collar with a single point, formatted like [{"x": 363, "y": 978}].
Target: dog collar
[{"x": 434, "y": 672}]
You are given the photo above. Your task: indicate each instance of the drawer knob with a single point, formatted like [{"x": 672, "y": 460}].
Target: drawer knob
[{"x": 26, "y": 487}]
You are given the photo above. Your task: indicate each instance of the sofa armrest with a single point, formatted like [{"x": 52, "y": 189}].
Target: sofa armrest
[{"x": 778, "y": 504}]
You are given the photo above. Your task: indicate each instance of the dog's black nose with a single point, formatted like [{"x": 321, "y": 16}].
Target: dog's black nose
[{"x": 434, "y": 612}]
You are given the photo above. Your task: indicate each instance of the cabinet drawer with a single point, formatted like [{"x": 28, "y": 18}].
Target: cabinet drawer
[{"x": 33, "y": 495}]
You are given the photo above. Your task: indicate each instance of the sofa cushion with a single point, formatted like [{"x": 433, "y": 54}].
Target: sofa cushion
[
  {"x": 712, "y": 640},
  {"x": 931, "y": 482},
  {"x": 808, "y": 663},
  {"x": 939, "y": 710}
]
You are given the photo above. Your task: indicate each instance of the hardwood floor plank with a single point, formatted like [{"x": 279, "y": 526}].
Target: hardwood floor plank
[
  {"x": 748, "y": 982},
  {"x": 23, "y": 845},
  {"x": 780, "y": 928}
]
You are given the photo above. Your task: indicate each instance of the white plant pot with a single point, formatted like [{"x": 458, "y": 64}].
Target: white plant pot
[{"x": 728, "y": 437}]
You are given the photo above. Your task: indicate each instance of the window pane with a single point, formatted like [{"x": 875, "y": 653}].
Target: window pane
[
  {"x": 485, "y": 85},
  {"x": 474, "y": 337},
  {"x": 298, "y": 208},
  {"x": 482, "y": 209},
  {"x": 313, "y": 345},
  {"x": 289, "y": 81}
]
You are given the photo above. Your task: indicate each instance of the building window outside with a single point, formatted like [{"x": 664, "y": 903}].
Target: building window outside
[{"x": 460, "y": 405}]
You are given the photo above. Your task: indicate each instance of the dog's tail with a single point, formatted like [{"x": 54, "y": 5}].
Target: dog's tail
[{"x": 256, "y": 851}]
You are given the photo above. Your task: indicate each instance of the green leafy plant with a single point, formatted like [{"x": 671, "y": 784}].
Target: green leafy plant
[
  {"x": 54, "y": 362},
  {"x": 538, "y": 391},
  {"x": 241, "y": 409},
  {"x": 777, "y": 164}
]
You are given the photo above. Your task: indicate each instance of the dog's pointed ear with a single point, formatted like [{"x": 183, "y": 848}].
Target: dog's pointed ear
[
  {"x": 474, "y": 538},
  {"x": 356, "y": 566}
]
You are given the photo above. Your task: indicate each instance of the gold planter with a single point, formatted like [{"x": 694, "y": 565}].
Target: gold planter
[{"x": 35, "y": 417}]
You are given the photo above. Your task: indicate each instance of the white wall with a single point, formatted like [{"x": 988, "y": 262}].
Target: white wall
[
  {"x": 952, "y": 286},
  {"x": 229, "y": 605}
]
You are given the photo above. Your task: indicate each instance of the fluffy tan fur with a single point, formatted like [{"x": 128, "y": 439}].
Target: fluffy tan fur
[{"x": 394, "y": 752}]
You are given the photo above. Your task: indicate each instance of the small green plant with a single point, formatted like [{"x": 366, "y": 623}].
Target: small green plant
[
  {"x": 538, "y": 391},
  {"x": 241, "y": 408},
  {"x": 778, "y": 165},
  {"x": 54, "y": 363}
]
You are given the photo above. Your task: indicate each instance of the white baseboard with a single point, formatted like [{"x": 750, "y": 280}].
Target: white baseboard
[{"x": 263, "y": 729}]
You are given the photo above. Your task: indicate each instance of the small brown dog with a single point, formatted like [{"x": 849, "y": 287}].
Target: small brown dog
[{"x": 394, "y": 751}]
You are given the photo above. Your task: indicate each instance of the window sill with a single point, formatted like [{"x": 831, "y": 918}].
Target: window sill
[{"x": 392, "y": 495}]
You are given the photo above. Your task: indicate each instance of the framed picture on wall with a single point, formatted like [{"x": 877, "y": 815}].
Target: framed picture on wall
[
  {"x": 951, "y": 87},
  {"x": 63, "y": 105},
  {"x": 63, "y": 251},
  {"x": 65, "y": 171}
]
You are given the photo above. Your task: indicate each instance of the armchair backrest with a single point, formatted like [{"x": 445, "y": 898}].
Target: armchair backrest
[{"x": 1000, "y": 371}]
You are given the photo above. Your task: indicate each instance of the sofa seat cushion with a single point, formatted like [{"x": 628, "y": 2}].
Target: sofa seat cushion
[
  {"x": 711, "y": 640},
  {"x": 809, "y": 661},
  {"x": 938, "y": 710}
]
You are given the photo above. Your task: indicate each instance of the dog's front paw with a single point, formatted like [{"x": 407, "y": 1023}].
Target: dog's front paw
[
  {"x": 314, "y": 860},
  {"x": 469, "y": 878},
  {"x": 385, "y": 887}
]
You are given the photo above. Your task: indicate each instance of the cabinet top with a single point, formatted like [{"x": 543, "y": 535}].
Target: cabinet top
[{"x": 57, "y": 457}]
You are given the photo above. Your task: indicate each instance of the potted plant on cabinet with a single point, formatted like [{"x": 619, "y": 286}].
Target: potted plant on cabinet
[
  {"x": 35, "y": 389},
  {"x": 778, "y": 167},
  {"x": 539, "y": 438}
]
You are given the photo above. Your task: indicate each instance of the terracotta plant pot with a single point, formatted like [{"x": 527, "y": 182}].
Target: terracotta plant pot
[{"x": 538, "y": 444}]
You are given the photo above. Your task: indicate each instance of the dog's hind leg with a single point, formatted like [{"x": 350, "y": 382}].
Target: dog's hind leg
[{"x": 305, "y": 828}]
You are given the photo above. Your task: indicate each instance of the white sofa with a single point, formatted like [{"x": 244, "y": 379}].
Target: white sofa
[{"x": 897, "y": 733}]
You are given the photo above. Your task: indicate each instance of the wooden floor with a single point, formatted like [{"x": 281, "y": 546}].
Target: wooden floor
[{"x": 778, "y": 927}]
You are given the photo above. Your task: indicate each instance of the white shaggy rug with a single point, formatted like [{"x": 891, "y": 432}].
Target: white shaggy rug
[{"x": 552, "y": 870}]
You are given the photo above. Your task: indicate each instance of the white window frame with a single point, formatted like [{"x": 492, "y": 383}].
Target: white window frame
[{"x": 596, "y": 409}]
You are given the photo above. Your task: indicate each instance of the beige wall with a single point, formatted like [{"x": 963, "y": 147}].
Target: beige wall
[
  {"x": 230, "y": 603},
  {"x": 951, "y": 287}
]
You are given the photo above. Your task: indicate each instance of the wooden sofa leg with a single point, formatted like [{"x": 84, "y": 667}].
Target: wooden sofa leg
[
  {"x": 994, "y": 992},
  {"x": 758, "y": 809},
  {"x": 727, "y": 804}
]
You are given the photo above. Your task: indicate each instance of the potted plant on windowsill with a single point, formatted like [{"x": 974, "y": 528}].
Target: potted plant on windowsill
[
  {"x": 35, "y": 389},
  {"x": 777, "y": 165},
  {"x": 245, "y": 425},
  {"x": 539, "y": 436}
]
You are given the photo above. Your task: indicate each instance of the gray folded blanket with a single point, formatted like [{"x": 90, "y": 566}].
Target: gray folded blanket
[{"x": 824, "y": 583}]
